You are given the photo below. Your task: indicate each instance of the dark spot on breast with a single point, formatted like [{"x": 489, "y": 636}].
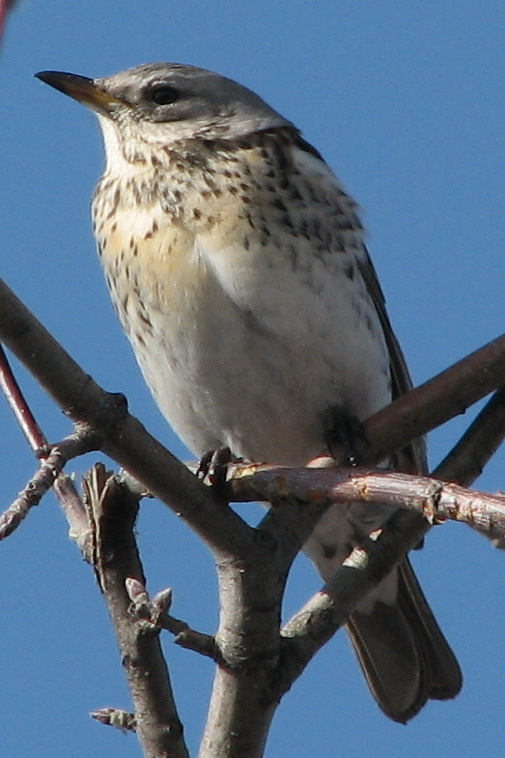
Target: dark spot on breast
[
  {"x": 277, "y": 203},
  {"x": 303, "y": 229},
  {"x": 145, "y": 319},
  {"x": 287, "y": 223},
  {"x": 293, "y": 192}
]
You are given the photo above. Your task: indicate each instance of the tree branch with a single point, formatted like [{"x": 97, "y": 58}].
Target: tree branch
[
  {"x": 112, "y": 514},
  {"x": 467, "y": 459},
  {"x": 433, "y": 499},
  {"x": 50, "y": 471},
  {"x": 26, "y": 420},
  {"x": 156, "y": 612},
  {"x": 433, "y": 403},
  {"x": 46, "y": 477}
]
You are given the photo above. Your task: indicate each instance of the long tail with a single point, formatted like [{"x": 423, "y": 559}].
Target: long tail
[{"x": 405, "y": 657}]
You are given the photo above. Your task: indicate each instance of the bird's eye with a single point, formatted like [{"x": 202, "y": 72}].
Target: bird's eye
[{"x": 163, "y": 94}]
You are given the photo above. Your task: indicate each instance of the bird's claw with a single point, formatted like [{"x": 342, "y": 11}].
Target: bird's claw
[{"x": 213, "y": 468}]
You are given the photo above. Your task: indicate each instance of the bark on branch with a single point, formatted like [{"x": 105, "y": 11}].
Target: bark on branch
[
  {"x": 112, "y": 513},
  {"x": 435, "y": 500}
]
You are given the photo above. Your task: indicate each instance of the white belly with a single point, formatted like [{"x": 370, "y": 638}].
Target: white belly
[{"x": 244, "y": 350}]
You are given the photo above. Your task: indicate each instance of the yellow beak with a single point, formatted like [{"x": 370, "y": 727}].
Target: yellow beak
[{"x": 82, "y": 89}]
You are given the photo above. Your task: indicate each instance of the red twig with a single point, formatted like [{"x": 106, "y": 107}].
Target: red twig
[
  {"x": 5, "y": 6},
  {"x": 26, "y": 420}
]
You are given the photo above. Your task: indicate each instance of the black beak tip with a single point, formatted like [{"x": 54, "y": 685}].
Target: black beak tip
[
  {"x": 50, "y": 77},
  {"x": 61, "y": 80},
  {"x": 42, "y": 75}
]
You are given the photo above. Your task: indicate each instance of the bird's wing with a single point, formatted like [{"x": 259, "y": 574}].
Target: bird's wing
[{"x": 413, "y": 456}]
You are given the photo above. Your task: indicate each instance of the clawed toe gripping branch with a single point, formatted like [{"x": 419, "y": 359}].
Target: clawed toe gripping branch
[{"x": 256, "y": 660}]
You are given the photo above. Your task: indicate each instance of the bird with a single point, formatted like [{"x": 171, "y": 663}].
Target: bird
[{"x": 237, "y": 265}]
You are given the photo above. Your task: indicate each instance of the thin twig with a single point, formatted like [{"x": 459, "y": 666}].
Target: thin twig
[
  {"x": 26, "y": 420},
  {"x": 52, "y": 459},
  {"x": 155, "y": 611},
  {"x": 38, "y": 485},
  {"x": 50, "y": 475}
]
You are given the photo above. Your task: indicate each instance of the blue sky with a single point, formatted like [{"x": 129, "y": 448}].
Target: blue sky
[{"x": 406, "y": 102}]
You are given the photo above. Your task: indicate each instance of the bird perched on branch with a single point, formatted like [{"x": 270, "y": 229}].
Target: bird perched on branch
[{"x": 236, "y": 264}]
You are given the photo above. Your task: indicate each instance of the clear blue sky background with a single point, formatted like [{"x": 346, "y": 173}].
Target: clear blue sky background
[{"x": 406, "y": 102}]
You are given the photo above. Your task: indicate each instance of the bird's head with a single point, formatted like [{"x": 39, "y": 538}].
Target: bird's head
[{"x": 159, "y": 104}]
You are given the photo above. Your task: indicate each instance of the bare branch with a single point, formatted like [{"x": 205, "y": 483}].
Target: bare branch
[
  {"x": 435, "y": 500},
  {"x": 46, "y": 477},
  {"x": 112, "y": 512},
  {"x": 467, "y": 459},
  {"x": 155, "y": 611},
  {"x": 433, "y": 403},
  {"x": 19, "y": 406},
  {"x": 75, "y": 514},
  {"x": 31, "y": 494},
  {"x": 53, "y": 460}
]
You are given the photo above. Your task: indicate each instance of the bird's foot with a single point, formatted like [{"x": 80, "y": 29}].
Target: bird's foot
[
  {"x": 343, "y": 433},
  {"x": 213, "y": 468}
]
